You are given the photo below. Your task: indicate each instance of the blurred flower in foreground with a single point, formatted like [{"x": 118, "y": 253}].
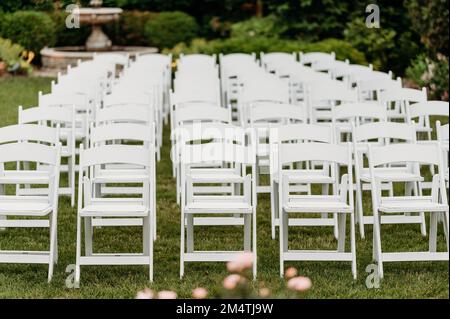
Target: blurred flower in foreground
[
  {"x": 145, "y": 294},
  {"x": 264, "y": 292},
  {"x": 299, "y": 284},
  {"x": 166, "y": 294},
  {"x": 243, "y": 261},
  {"x": 231, "y": 281},
  {"x": 199, "y": 293},
  {"x": 291, "y": 272}
]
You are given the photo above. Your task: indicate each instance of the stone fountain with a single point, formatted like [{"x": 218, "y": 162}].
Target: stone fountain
[{"x": 58, "y": 58}]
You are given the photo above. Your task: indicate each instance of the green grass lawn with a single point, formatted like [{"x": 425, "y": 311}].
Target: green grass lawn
[{"x": 330, "y": 279}]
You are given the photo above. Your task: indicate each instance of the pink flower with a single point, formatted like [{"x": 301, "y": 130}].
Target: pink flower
[
  {"x": 145, "y": 294},
  {"x": 242, "y": 262},
  {"x": 264, "y": 292},
  {"x": 299, "y": 284},
  {"x": 165, "y": 294},
  {"x": 291, "y": 272},
  {"x": 231, "y": 281},
  {"x": 199, "y": 293}
]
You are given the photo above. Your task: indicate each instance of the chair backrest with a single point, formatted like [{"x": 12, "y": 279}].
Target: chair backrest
[
  {"x": 122, "y": 131},
  {"x": 384, "y": 130},
  {"x": 217, "y": 152},
  {"x": 125, "y": 114},
  {"x": 314, "y": 57},
  {"x": 270, "y": 61},
  {"x": 331, "y": 91},
  {"x": 201, "y": 113},
  {"x": 403, "y": 95},
  {"x": 357, "y": 112},
  {"x": 289, "y": 153},
  {"x": 276, "y": 114},
  {"x": 442, "y": 132},
  {"x": 428, "y": 108},
  {"x": 115, "y": 154},
  {"x": 122, "y": 97},
  {"x": 425, "y": 154},
  {"x": 63, "y": 115},
  {"x": 29, "y": 132},
  {"x": 30, "y": 152},
  {"x": 72, "y": 99}
]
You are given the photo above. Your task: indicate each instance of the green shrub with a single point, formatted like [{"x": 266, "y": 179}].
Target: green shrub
[
  {"x": 257, "y": 27},
  {"x": 384, "y": 47},
  {"x": 433, "y": 75},
  {"x": 430, "y": 20},
  {"x": 65, "y": 36},
  {"x": 32, "y": 30},
  {"x": 169, "y": 28},
  {"x": 10, "y": 54},
  {"x": 130, "y": 28},
  {"x": 343, "y": 50}
]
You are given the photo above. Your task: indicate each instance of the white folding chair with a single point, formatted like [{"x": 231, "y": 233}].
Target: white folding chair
[
  {"x": 65, "y": 118},
  {"x": 358, "y": 113},
  {"x": 111, "y": 208},
  {"x": 192, "y": 203},
  {"x": 421, "y": 112},
  {"x": 30, "y": 211},
  {"x": 435, "y": 205},
  {"x": 378, "y": 134},
  {"x": 339, "y": 205},
  {"x": 305, "y": 177},
  {"x": 397, "y": 101},
  {"x": 323, "y": 96}
]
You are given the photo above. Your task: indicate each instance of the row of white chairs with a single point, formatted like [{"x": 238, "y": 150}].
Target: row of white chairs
[{"x": 103, "y": 121}]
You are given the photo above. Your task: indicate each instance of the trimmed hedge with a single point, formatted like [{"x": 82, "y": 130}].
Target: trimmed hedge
[
  {"x": 33, "y": 30},
  {"x": 343, "y": 49},
  {"x": 169, "y": 28}
]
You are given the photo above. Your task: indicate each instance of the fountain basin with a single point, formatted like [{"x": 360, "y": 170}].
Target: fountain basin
[{"x": 57, "y": 59}]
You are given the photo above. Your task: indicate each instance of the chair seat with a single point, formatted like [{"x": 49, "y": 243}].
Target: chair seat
[
  {"x": 24, "y": 177},
  {"x": 392, "y": 174},
  {"x": 311, "y": 176},
  {"x": 115, "y": 207},
  {"x": 120, "y": 176},
  {"x": 316, "y": 204},
  {"x": 24, "y": 206},
  {"x": 410, "y": 204},
  {"x": 217, "y": 206},
  {"x": 211, "y": 175}
]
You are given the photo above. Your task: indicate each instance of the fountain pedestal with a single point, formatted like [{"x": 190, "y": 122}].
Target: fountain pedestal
[{"x": 57, "y": 59}]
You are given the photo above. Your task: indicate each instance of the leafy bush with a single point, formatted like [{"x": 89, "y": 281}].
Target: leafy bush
[
  {"x": 344, "y": 50},
  {"x": 258, "y": 27},
  {"x": 430, "y": 20},
  {"x": 11, "y": 55},
  {"x": 130, "y": 28},
  {"x": 169, "y": 28},
  {"x": 32, "y": 30},
  {"x": 384, "y": 47},
  {"x": 65, "y": 36},
  {"x": 433, "y": 75}
]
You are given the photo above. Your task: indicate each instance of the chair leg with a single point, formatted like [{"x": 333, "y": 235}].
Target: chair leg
[
  {"x": 254, "y": 242},
  {"x": 182, "y": 243},
  {"x": 78, "y": 252},
  {"x": 190, "y": 233},
  {"x": 276, "y": 211},
  {"x": 273, "y": 194},
  {"x": 353, "y": 246},
  {"x": 342, "y": 220},
  {"x": 88, "y": 232},
  {"x": 433, "y": 232},
  {"x": 247, "y": 232},
  {"x": 281, "y": 231},
  {"x": 71, "y": 173},
  {"x": 147, "y": 237},
  {"x": 423, "y": 226},
  {"x": 377, "y": 243},
  {"x": 446, "y": 228},
  {"x": 359, "y": 209},
  {"x": 53, "y": 247}
]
